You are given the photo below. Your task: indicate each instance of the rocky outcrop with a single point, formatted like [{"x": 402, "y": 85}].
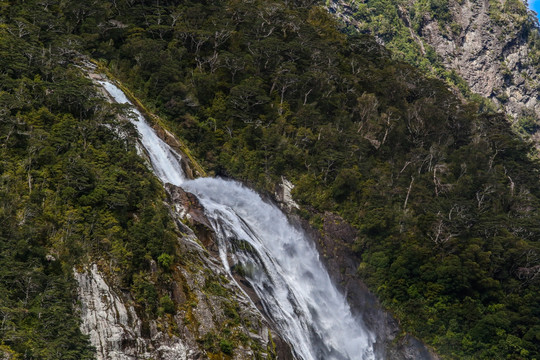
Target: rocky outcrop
[
  {"x": 283, "y": 195},
  {"x": 486, "y": 43},
  {"x": 187, "y": 206},
  {"x": 114, "y": 327},
  {"x": 493, "y": 58}
]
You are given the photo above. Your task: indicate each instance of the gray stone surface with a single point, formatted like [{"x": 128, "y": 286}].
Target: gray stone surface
[
  {"x": 114, "y": 327},
  {"x": 493, "y": 57}
]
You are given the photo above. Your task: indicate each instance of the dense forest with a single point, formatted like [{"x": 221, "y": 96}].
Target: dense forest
[
  {"x": 444, "y": 196},
  {"x": 70, "y": 190}
]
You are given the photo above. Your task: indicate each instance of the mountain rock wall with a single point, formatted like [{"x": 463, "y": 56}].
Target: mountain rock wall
[
  {"x": 114, "y": 327},
  {"x": 490, "y": 44},
  {"x": 492, "y": 58}
]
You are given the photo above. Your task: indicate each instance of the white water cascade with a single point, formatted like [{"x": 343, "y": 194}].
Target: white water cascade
[{"x": 277, "y": 259}]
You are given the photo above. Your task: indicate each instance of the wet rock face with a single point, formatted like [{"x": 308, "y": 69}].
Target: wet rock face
[
  {"x": 114, "y": 327},
  {"x": 210, "y": 310},
  {"x": 187, "y": 207}
]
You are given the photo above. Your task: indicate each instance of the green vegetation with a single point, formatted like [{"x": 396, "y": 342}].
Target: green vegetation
[
  {"x": 214, "y": 345},
  {"x": 399, "y": 24},
  {"x": 226, "y": 347},
  {"x": 444, "y": 197},
  {"x": 70, "y": 189}
]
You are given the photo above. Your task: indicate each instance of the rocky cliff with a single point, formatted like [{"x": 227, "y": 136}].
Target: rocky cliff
[
  {"x": 492, "y": 45},
  {"x": 114, "y": 327},
  {"x": 494, "y": 57}
]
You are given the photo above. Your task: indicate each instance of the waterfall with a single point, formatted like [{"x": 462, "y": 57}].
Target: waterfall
[{"x": 280, "y": 263}]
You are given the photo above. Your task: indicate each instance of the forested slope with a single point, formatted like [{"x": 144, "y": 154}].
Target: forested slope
[
  {"x": 70, "y": 190},
  {"x": 443, "y": 196}
]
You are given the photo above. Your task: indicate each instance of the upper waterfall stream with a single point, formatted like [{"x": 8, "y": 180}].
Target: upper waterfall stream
[{"x": 278, "y": 260}]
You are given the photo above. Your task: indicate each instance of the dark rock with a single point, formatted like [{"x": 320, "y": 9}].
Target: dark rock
[{"x": 191, "y": 209}]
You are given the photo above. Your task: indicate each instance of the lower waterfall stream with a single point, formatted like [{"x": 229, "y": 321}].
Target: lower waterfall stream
[{"x": 278, "y": 260}]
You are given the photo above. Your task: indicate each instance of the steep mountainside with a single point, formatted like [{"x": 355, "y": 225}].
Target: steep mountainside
[
  {"x": 426, "y": 198},
  {"x": 96, "y": 261},
  {"x": 492, "y": 45}
]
